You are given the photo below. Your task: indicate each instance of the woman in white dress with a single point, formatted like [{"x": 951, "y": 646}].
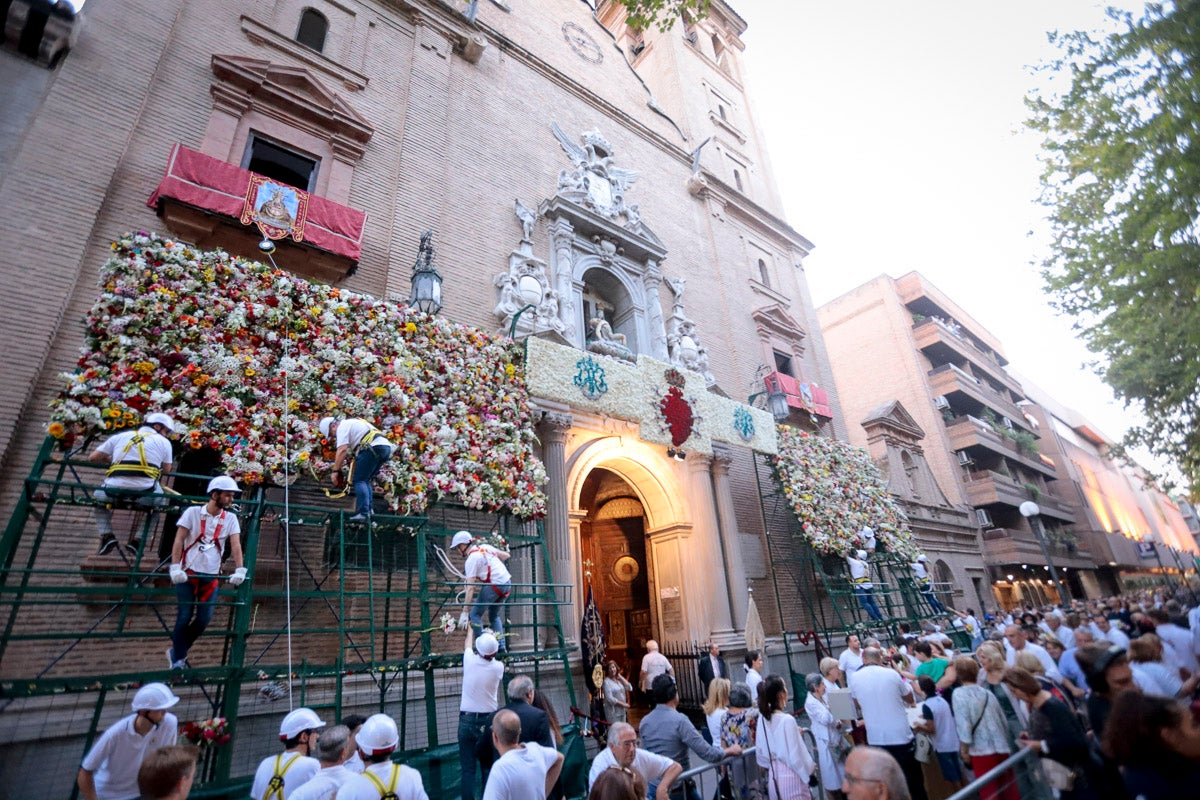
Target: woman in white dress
[
  {"x": 826, "y": 730},
  {"x": 779, "y": 746},
  {"x": 616, "y": 693}
]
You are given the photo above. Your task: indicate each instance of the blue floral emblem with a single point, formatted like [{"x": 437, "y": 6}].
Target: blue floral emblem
[
  {"x": 590, "y": 377},
  {"x": 743, "y": 423}
]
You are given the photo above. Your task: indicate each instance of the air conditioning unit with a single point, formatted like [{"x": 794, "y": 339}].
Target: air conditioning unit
[
  {"x": 964, "y": 458},
  {"x": 984, "y": 518},
  {"x": 1006, "y": 422},
  {"x": 941, "y": 402}
]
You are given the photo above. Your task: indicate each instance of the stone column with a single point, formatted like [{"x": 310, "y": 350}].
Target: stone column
[
  {"x": 735, "y": 568},
  {"x": 562, "y": 235},
  {"x": 703, "y": 563},
  {"x": 553, "y": 431},
  {"x": 651, "y": 280}
]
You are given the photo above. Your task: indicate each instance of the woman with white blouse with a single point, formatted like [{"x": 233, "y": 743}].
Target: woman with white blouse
[
  {"x": 779, "y": 746},
  {"x": 826, "y": 730}
]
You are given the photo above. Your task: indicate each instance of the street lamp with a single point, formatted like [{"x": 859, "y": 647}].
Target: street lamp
[
  {"x": 426, "y": 282},
  {"x": 777, "y": 399},
  {"x": 530, "y": 290},
  {"x": 1032, "y": 512}
]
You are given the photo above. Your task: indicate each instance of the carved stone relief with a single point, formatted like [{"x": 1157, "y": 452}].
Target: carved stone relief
[{"x": 686, "y": 349}]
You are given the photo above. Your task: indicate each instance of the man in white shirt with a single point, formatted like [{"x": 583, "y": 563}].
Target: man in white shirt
[
  {"x": 138, "y": 460},
  {"x": 1194, "y": 625},
  {"x": 110, "y": 769},
  {"x": 754, "y": 665},
  {"x": 333, "y": 748},
  {"x": 196, "y": 564},
  {"x": 366, "y": 444},
  {"x": 851, "y": 659},
  {"x": 1053, "y": 625},
  {"x": 883, "y": 697},
  {"x": 280, "y": 775},
  {"x": 622, "y": 751},
  {"x": 860, "y": 579},
  {"x": 487, "y": 576},
  {"x": 481, "y": 680},
  {"x": 1104, "y": 629},
  {"x": 1179, "y": 639},
  {"x": 1017, "y": 640},
  {"x": 654, "y": 664},
  {"x": 523, "y": 771},
  {"x": 376, "y": 741}
]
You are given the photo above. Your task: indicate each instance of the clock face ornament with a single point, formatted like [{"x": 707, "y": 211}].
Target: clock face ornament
[{"x": 582, "y": 43}]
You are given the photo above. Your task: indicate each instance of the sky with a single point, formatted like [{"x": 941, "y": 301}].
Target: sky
[{"x": 895, "y": 132}]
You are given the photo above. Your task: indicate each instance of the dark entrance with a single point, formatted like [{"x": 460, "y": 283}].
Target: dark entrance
[{"x": 613, "y": 541}]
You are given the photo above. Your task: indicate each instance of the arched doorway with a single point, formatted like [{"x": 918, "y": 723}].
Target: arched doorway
[{"x": 613, "y": 546}]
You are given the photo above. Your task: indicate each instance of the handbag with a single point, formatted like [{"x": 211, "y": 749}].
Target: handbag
[
  {"x": 923, "y": 747},
  {"x": 1058, "y": 775},
  {"x": 840, "y": 747}
]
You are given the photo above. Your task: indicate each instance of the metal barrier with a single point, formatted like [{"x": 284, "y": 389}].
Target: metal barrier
[
  {"x": 997, "y": 778},
  {"x": 749, "y": 763}
]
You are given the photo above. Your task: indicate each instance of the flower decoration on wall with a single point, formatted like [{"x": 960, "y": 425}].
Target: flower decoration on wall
[
  {"x": 835, "y": 491},
  {"x": 677, "y": 413},
  {"x": 206, "y": 733},
  {"x": 248, "y": 357}
]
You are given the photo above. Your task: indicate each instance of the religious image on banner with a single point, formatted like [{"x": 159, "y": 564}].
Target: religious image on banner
[
  {"x": 277, "y": 209},
  {"x": 592, "y": 645}
]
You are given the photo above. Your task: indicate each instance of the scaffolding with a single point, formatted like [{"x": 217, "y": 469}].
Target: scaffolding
[
  {"x": 337, "y": 616},
  {"x": 821, "y": 583}
]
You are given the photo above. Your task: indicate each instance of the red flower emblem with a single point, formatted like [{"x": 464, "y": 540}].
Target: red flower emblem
[{"x": 677, "y": 411}]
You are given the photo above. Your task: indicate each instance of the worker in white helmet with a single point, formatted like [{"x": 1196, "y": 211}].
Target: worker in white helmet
[
  {"x": 482, "y": 673},
  {"x": 369, "y": 449},
  {"x": 920, "y": 569},
  {"x": 196, "y": 564},
  {"x": 138, "y": 461},
  {"x": 377, "y": 739},
  {"x": 489, "y": 584},
  {"x": 280, "y": 775},
  {"x": 110, "y": 769},
  {"x": 860, "y": 579}
]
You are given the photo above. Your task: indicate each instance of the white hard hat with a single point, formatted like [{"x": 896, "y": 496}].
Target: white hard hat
[
  {"x": 922, "y": 557},
  {"x": 487, "y": 645},
  {"x": 159, "y": 418},
  {"x": 222, "y": 483},
  {"x": 462, "y": 537},
  {"x": 154, "y": 697},
  {"x": 378, "y": 735},
  {"x": 861, "y": 555},
  {"x": 299, "y": 721},
  {"x": 325, "y": 424}
]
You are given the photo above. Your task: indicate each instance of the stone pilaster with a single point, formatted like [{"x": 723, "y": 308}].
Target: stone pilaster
[
  {"x": 735, "y": 571},
  {"x": 553, "y": 430},
  {"x": 562, "y": 235},
  {"x": 651, "y": 280},
  {"x": 705, "y": 563}
]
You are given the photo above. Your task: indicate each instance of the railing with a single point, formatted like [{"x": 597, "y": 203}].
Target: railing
[
  {"x": 997, "y": 778},
  {"x": 743, "y": 771},
  {"x": 685, "y": 660}
]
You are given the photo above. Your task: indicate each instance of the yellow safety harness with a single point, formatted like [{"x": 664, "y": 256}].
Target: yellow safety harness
[
  {"x": 275, "y": 787},
  {"x": 368, "y": 437},
  {"x": 385, "y": 792},
  {"x": 863, "y": 579},
  {"x": 139, "y": 467}
]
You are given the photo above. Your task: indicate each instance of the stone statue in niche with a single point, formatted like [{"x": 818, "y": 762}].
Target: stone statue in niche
[
  {"x": 527, "y": 219},
  {"x": 604, "y": 340},
  {"x": 595, "y": 183},
  {"x": 683, "y": 342}
]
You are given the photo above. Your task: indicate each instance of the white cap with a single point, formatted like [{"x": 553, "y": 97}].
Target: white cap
[
  {"x": 222, "y": 483},
  {"x": 154, "y": 697},
  {"x": 378, "y": 735},
  {"x": 159, "y": 418},
  {"x": 861, "y": 555},
  {"x": 325, "y": 424},
  {"x": 487, "y": 645},
  {"x": 299, "y": 721},
  {"x": 922, "y": 557},
  {"x": 462, "y": 537}
]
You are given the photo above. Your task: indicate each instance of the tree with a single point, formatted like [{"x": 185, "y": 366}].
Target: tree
[
  {"x": 1121, "y": 152},
  {"x": 642, "y": 14}
]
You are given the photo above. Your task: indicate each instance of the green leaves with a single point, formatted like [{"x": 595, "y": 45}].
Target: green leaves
[
  {"x": 643, "y": 14},
  {"x": 1121, "y": 152}
]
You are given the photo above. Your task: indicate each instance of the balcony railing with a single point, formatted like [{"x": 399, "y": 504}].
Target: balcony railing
[
  {"x": 967, "y": 431},
  {"x": 949, "y": 378},
  {"x": 935, "y": 330},
  {"x": 986, "y": 487},
  {"x": 1017, "y": 546}
]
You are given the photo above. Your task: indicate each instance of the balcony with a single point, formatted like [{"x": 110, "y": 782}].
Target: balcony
[
  {"x": 948, "y": 379},
  {"x": 805, "y": 396},
  {"x": 987, "y": 488},
  {"x": 1004, "y": 546},
  {"x": 968, "y": 431},
  {"x": 941, "y": 342},
  {"x": 203, "y": 200}
]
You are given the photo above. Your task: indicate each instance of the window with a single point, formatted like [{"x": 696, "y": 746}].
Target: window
[
  {"x": 280, "y": 163},
  {"x": 737, "y": 179},
  {"x": 312, "y": 30},
  {"x": 721, "y": 111},
  {"x": 783, "y": 363},
  {"x": 763, "y": 275}
]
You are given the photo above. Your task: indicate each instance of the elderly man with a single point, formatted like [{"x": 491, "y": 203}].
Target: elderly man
[
  {"x": 535, "y": 725},
  {"x": 711, "y": 666},
  {"x": 883, "y": 696},
  {"x": 622, "y": 751},
  {"x": 1072, "y": 673},
  {"x": 654, "y": 664},
  {"x": 333, "y": 748},
  {"x": 523, "y": 770},
  {"x": 1053, "y": 625},
  {"x": 872, "y": 774},
  {"x": 669, "y": 733},
  {"x": 1017, "y": 640}
]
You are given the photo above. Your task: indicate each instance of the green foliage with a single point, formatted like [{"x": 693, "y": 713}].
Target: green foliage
[
  {"x": 918, "y": 318},
  {"x": 1026, "y": 442},
  {"x": 1034, "y": 491},
  {"x": 644, "y": 14},
  {"x": 1121, "y": 152}
]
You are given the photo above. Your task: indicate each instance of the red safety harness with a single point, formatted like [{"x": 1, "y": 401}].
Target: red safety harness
[
  {"x": 205, "y": 588},
  {"x": 487, "y": 557}
]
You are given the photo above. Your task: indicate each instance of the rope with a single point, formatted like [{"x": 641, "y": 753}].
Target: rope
[
  {"x": 453, "y": 570},
  {"x": 287, "y": 515}
]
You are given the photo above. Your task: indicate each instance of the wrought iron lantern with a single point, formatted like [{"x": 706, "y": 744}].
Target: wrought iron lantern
[{"x": 426, "y": 282}]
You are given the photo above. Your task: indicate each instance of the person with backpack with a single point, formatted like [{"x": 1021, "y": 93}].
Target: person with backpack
[
  {"x": 280, "y": 775},
  {"x": 382, "y": 779}
]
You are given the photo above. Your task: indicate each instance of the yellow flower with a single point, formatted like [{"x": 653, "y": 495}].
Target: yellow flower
[
  {"x": 510, "y": 370},
  {"x": 249, "y": 372},
  {"x": 56, "y": 430},
  {"x": 379, "y": 391},
  {"x": 331, "y": 403},
  {"x": 302, "y": 457},
  {"x": 410, "y": 327}
]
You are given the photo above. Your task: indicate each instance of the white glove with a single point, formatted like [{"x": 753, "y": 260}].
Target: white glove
[
  {"x": 177, "y": 574},
  {"x": 463, "y": 620},
  {"x": 237, "y": 577}
]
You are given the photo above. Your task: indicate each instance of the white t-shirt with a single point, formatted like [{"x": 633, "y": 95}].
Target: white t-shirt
[
  {"x": 485, "y": 566},
  {"x": 520, "y": 774},
  {"x": 408, "y": 784},
  {"x": 880, "y": 693},
  {"x": 1180, "y": 640},
  {"x": 920, "y": 572},
  {"x": 206, "y": 538},
  {"x": 1045, "y": 658},
  {"x": 850, "y": 662},
  {"x": 652, "y": 766},
  {"x": 654, "y": 664},
  {"x": 298, "y": 774},
  {"x": 945, "y": 734},
  {"x": 115, "y": 759},
  {"x": 753, "y": 679},
  {"x": 860, "y": 573},
  {"x": 156, "y": 447},
  {"x": 324, "y": 784},
  {"x": 351, "y": 431},
  {"x": 481, "y": 677}
]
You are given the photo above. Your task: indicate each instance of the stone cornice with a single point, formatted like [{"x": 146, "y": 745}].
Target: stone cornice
[{"x": 742, "y": 207}]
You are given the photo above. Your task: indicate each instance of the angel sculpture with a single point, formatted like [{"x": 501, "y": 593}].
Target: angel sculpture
[{"x": 602, "y": 184}]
